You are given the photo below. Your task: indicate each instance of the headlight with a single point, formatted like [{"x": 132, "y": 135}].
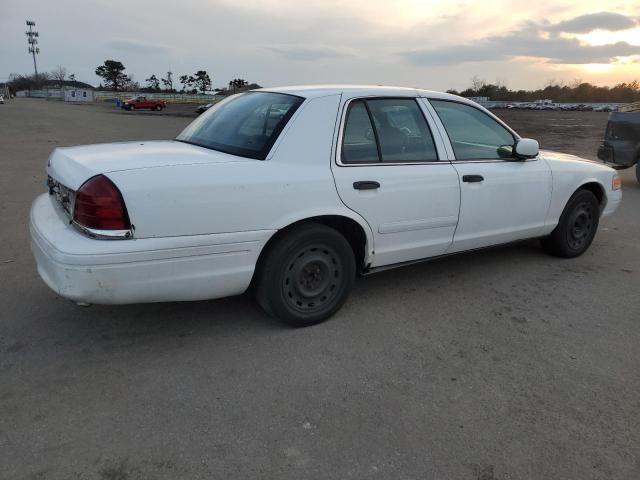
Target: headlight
[{"x": 616, "y": 182}]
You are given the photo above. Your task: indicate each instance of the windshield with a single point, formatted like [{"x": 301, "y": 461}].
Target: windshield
[{"x": 246, "y": 125}]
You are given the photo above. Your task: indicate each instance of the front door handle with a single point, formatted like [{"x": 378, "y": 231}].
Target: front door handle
[
  {"x": 366, "y": 185},
  {"x": 472, "y": 178}
]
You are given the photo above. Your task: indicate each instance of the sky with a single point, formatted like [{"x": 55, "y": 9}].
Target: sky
[{"x": 434, "y": 44}]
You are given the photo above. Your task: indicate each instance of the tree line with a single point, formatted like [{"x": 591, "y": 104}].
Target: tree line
[
  {"x": 114, "y": 77},
  {"x": 57, "y": 77},
  {"x": 576, "y": 91}
]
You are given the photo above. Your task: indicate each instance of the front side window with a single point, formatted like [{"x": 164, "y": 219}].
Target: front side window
[
  {"x": 246, "y": 125},
  {"x": 388, "y": 130},
  {"x": 474, "y": 135}
]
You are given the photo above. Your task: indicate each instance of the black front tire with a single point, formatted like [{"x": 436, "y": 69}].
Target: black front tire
[
  {"x": 577, "y": 226},
  {"x": 306, "y": 275},
  {"x": 638, "y": 171}
]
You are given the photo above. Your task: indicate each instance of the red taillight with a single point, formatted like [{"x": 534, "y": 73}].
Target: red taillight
[{"x": 99, "y": 205}]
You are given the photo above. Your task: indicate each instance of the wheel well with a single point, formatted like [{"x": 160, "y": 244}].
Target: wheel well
[
  {"x": 350, "y": 229},
  {"x": 597, "y": 190}
]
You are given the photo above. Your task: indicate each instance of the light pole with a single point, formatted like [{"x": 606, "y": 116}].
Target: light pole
[{"x": 32, "y": 40}]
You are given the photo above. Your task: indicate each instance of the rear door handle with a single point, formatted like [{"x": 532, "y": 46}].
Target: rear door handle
[
  {"x": 366, "y": 185},
  {"x": 472, "y": 178}
]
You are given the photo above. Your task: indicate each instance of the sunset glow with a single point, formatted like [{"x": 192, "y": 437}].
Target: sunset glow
[{"x": 428, "y": 43}]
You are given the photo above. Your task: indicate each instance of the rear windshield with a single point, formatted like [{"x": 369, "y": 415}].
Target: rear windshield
[{"x": 246, "y": 125}]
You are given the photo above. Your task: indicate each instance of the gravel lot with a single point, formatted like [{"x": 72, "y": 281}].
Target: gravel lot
[{"x": 501, "y": 364}]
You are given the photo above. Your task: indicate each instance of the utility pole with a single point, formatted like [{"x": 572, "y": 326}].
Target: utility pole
[{"x": 32, "y": 40}]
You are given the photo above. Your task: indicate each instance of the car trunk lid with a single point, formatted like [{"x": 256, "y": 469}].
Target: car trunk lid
[{"x": 72, "y": 166}]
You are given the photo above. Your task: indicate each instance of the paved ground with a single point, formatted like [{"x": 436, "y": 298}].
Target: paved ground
[{"x": 504, "y": 364}]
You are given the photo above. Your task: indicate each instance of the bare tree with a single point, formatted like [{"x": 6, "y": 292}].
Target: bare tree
[
  {"x": 168, "y": 82},
  {"x": 59, "y": 74},
  {"x": 477, "y": 83}
]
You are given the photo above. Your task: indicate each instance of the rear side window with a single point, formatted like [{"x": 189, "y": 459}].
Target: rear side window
[
  {"x": 388, "y": 130},
  {"x": 474, "y": 135},
  {"x": 359, "y": 141},
  {"x": 246, "y": 125}
]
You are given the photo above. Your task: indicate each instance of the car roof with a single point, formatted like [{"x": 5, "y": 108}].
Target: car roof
[{"x": 314, "y": 91}]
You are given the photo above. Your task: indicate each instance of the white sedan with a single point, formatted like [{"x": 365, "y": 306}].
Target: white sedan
[{"x": 296, "y": 191}]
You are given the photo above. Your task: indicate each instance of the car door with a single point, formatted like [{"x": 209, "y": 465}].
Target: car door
[
  {"x": 503, "y": 199},
  {"x": 388, "y": 170}
]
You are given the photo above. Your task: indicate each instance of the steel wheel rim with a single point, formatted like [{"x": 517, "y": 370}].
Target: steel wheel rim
[
  {"x": 312, "y": 278},
  {"x": 580, "y": 225}
]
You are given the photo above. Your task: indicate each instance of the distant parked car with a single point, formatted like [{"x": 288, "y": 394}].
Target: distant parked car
[
  {"x": 140, "y": 103},
  {"x": 203, "y": 108},
  {"x": 296, "y": 190},
  {"x": 605, "y": 108}
]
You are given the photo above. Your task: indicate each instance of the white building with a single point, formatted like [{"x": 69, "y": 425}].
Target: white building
[{"x": 72, "y": 94}]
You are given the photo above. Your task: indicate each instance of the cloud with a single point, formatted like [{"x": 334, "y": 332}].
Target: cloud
[
  {"x": 595, "y": 21},
  {"x": 308, "y": 53},
  {"x": 278, "y": 42},
  {"x": 137, "y": 46},
  {"x": 536, "y": 40}
]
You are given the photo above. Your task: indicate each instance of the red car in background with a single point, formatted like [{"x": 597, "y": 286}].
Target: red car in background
[{"x": 140, "y": 103}]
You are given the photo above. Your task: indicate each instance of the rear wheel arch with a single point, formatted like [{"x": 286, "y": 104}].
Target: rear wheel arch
[{"x": 349, "y": 228}]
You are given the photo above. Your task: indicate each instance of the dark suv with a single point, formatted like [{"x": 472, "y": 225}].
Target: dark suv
[{"x": 621, "y": 147}]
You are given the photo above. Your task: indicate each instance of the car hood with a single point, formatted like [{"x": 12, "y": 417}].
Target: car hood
[
  {"x": 72, "y": 166},
  {"x": 571, "y": 163},
  {"x": 565, "y": 157}
]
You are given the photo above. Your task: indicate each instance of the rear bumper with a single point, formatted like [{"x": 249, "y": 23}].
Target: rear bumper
[
  {"x": 164, "y": 269},
  {"x": 621, "y": 153},
  {"x": 605, "y": 153}
]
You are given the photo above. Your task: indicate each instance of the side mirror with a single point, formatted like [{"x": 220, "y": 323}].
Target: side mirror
[{"x": 526, "y": 148}]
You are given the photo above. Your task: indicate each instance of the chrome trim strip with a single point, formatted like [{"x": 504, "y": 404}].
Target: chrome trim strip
[
  {"x": 515, "y": 160},
  {"x": 104, "y": 234},
  {"x": 390, "y": 164}
]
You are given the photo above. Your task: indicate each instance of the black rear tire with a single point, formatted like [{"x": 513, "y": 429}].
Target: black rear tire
[
  {"x": 577, "y": 226},
  {"x": 306, "y": 275},
  {"x": 638, "y": 171}
]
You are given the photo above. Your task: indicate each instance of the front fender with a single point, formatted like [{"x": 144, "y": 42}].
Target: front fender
[{"x": 569, "y": 174}]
